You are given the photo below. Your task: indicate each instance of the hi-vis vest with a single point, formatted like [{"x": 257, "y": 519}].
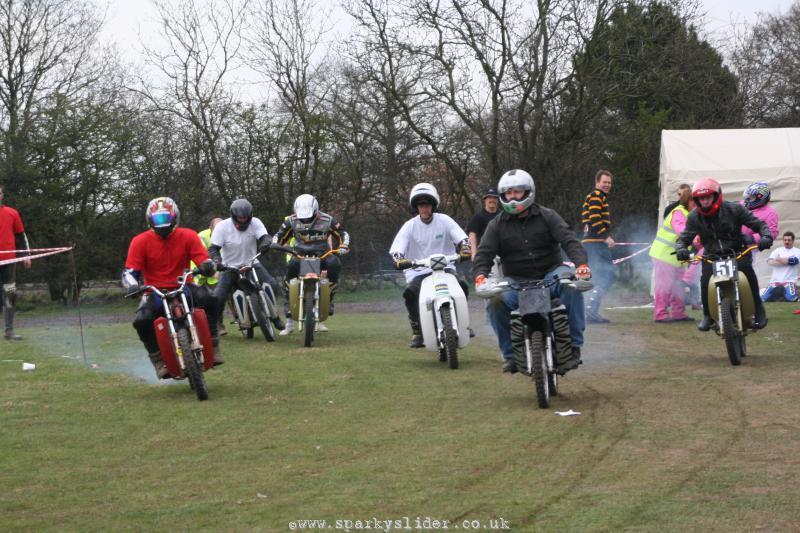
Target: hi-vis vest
[{"x": 663, "y": 247}]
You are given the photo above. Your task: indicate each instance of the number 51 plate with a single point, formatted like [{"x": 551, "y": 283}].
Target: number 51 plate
[{"x": 725, "y": 268}]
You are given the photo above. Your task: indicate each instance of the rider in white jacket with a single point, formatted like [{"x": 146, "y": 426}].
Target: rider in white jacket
[{"x": 426, "y": 234}]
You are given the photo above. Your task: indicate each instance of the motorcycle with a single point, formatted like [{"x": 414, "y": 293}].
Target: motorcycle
[
  {"x": 253, "y": 301},
  {"x": 730, "y": 300},
  {"x": 544, "y": 336},
  {"x": 183, "y": 335},
  {"x": 443, "y": 311},
  {"x": 309, "y": 293}
]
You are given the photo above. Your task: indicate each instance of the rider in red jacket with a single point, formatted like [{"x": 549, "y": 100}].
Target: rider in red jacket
[{"x": 157, "y": 257}]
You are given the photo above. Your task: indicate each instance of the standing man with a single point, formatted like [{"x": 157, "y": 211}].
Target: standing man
[
  {"x": 12, "y": 237},
  {"x": 210, "y": 282},
  {"x": 596, "y": 220},
  {"x": 477, "y": 224}
]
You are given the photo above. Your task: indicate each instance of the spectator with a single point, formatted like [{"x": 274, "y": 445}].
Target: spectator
[
  {"x": 477, "y": 224},
  {"x": 785, "y": 268},
  {"x": 12, "y": 237},
  {"x": 684, "y": 197},
  {"x": 597, "y": 240}
]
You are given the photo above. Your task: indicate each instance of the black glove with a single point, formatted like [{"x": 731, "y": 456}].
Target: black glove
[
  {"x": 765, "y": 243},
  {"x": 207, "y": 268},
  {"x": 264, "y": 248},
  {"x": 682, "y": 255},
  {"x": 748, "y": 240}
]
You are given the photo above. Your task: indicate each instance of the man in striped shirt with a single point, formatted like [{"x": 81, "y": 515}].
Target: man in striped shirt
[{"x": 596, "y": 220}]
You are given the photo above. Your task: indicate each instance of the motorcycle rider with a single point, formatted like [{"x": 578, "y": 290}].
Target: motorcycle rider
[
  {"x": 157, "y": 257},
  {"x": 235, "y": 241},
  {"x": 756, "y": 198},
  {"x": 719, "y": 225},
  {"x": 426, "y": 234},
  {"x": 312, "y": 230},
  {"x": 529, "y": 239}
]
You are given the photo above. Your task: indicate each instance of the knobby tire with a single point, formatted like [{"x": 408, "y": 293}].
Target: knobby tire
[
  {"x": 450, "y": 337},
  {"x": 308, "y": 318},
  {"x": 260, "y": 313},
  {"x": 730, "y": 331},
  {"x": 192, "y": 367},
  {"x": 539, "y": 374}
]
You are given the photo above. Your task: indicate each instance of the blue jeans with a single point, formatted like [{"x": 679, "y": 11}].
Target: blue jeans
[{"x": 500, "y": 312}]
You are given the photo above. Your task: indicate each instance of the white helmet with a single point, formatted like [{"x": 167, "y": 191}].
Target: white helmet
[
  {"x": 423, "y": 191},
  {"x": 306, "y": 208},
  {"x": 516, "y": 179}
]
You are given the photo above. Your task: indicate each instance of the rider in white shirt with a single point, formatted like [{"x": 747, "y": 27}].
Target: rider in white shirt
[
  {"x": 785, "y": 264},
  {"x": 426, "y": 234}
]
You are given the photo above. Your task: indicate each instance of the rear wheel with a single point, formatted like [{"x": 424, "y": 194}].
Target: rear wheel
[
  {"x": 539, "y": 374},
  {"x": 450, "y": 336},
  {"x": 308, "y": 316},
  {"x": 192, "y": 366},
  {"x": 734, "y": 341},
  {"x": 260, "y": 313}
]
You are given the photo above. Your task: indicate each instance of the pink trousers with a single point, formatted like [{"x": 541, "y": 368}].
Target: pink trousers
[{"x": 669, "y": 291}]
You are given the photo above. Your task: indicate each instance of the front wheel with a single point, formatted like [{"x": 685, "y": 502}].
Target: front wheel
[
  {"x": 192, "y": 366},
  {"x": 539, "y": 363},
  {"x": 258, "y": 307},
  {"x": 450, "y": 337},
  {"x": 308, "y": 317},
  {"x": 734, "y": 340},
  {"x": 552, "y": 377}
]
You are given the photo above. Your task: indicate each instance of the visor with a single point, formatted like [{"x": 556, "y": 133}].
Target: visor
[{"x": 161, "y": 218}]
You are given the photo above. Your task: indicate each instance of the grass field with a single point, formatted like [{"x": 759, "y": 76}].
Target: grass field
[{"x": 671, "y": 436}]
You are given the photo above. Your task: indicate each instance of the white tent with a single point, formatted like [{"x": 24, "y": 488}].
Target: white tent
[{"x": 736, "y": 158}]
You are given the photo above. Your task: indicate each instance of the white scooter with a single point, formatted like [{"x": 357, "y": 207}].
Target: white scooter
[{"x": 443, "y": 311}]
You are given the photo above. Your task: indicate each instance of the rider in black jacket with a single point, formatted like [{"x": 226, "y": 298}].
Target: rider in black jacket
[{"x": 719, "y": 225}]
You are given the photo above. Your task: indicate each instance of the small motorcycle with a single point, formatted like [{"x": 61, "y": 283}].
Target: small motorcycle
[
  {"x": 309, "y": 293},
  {"x": 730, "y": 301},
  {"x": 544, "y": 338},
  {"x": 443, "y": 311},
  {"x": 183, "y": 335},
  {"x": 253, "y": 301}
]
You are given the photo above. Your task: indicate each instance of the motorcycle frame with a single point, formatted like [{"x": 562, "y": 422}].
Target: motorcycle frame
[
  {"x": 442, "y": 297},
  {"x": 168, "y": 301},
  {"x": 248, "y": 283}
]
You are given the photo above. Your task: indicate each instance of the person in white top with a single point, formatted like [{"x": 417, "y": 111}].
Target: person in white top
[
  {"x": 234, "y": 242},
  {"x": 785, "y": 264},
  {"x": 426, "y": 234}
]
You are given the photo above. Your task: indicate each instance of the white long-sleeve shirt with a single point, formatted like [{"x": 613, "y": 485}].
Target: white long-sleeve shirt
[{"x": 417, "y": 240}]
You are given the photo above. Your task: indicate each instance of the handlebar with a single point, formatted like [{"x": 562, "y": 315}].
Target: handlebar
[
  {"x": 240, "y": 268},
  {"x": 492, "y": 288},
  {"x": 292, "y": 251},
  {"x": 710, "y": 258},
  {"x": 432, "y": 261},
  {"x": 182, "y": 279}
]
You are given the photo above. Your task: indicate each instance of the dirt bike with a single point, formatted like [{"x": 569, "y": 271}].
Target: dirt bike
[
  {"x": 730, "y": 300},
  {"x": 253, "y": 301},
  {"x": 309, "y": 293},
  {"x": 545, "y": 335},
  {"x": 443, "y": 311},
  {"x": 183, "y": 335}
]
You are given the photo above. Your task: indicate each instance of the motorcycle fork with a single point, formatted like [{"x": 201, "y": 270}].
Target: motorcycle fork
[
  {"x": 532, "y": 323},
  {"x": 301, "y": 299}
]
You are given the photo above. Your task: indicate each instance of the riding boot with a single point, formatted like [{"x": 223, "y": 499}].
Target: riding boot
[
  {"x": 416, "y": 336},
  {"x": 8, "y": 312},
  {"x": 760, "y": 321},
  {"x": 158, "y": 363},
  {"x": 218, "y": 359},
  {"x": 706, "y": 324}
]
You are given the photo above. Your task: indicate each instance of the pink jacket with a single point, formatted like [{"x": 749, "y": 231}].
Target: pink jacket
[{"x": 768, "y": 214}]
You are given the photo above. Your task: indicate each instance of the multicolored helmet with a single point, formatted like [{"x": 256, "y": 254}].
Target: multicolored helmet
[
  {"x": 162, "y": 215},
  {"x": 756, "y": 195},
  {"x": 707, "y": 187}
]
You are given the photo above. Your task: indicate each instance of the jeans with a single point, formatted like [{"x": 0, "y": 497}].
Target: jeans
[{"x": 501, "y": 306}]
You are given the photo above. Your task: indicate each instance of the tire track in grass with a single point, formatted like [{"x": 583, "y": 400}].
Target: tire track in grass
[
  {"x": 585, "y": 468},
  {"x": 722, "y": 451}
]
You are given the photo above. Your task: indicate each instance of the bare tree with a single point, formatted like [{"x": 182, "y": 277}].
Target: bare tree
[
  {"x": 47, "y": 48},
  {"x": 199, "y": 53}
]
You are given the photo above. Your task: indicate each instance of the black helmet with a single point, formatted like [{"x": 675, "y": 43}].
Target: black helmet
[{"x": 241, "y": 213}]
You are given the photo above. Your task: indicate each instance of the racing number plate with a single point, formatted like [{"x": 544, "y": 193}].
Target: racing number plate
[
  {"x": 725, "y": 268},
  {"x": 533, "y": 301}
]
